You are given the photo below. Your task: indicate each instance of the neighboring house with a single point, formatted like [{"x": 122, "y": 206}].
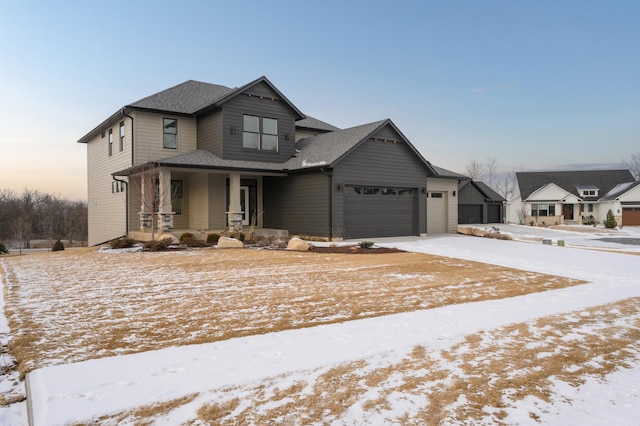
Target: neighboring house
[
  {"x": 478, "y": 203},
  {"x": 201, "y": 157},
  {"x": 550, "y": 198}
]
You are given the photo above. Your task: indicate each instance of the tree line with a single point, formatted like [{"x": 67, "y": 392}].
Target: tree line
[{"x": 34, "y": 215}]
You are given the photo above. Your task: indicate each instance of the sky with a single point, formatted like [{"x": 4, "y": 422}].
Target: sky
[{"x": 534, "y": 85}]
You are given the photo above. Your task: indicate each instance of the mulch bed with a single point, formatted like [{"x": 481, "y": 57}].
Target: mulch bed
[{"x": 355, "y": 250}]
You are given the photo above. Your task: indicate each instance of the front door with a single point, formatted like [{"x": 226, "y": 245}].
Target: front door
[
  {"x": 567, "y": 211},
  {"x": 244, "y": 204}
]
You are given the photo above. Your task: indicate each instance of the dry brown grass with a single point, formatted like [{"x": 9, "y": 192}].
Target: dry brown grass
[
  {"x": 75, "y": 305},
  {"x": 492, "y": 370}
]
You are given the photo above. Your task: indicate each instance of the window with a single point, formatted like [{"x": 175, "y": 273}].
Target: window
[
  {"x": 436, "y": 195},
  {"x": 176, "y": 196},
  {"x": 170, "y": 133},
  {"x": 121, "y": 136},
  {"x": 590, "y": 208},
  {"x": 259, "y": 133},
  {"x": 543, "y": 209},
  {"x": 110, "y": 142},
  {"x": 250, "y": 132}
]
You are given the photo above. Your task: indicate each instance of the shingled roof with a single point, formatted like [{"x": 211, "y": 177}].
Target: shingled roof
[
  {"x": 185, "y": 98},
  {"x": 604, "y": 180},
  {"x": 315, "y": 124}
]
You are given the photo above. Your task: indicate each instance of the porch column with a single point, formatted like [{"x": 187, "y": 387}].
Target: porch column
[
  {"x": 234, "y": 214},
  {"x": 165, "y": 215},
  {"x": 146, "y": 216}
]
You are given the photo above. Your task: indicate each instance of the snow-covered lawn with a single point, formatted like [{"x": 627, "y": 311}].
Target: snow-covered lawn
[{"x": 565, "y": 355}]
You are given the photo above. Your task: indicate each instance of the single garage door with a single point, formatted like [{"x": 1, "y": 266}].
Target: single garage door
[
  {"x": 469, "y": 213},
  {"x": 494, "y": 213},
  {"x": 379, "y": 211},
  {"x": 631, "y": 216},
  {"x": 436, "y": 212}
]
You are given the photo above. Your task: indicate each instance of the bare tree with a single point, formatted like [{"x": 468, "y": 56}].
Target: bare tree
[
  {"x": 506, "y": 185},
  {"x": 475, "y": 170},
  {"x": 152, "y": 195},
  {"x": 634, "y": 165},
  {"x": 490, "y": 169}
]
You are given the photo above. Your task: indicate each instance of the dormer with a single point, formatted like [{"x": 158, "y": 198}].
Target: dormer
[{"x": 587, "y": 191}]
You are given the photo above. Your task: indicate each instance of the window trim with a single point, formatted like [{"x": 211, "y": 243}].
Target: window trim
[{"x": 549, "y": 208}]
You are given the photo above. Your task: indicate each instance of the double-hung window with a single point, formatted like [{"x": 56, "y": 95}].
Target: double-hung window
[
  {"x": 259, "y": 133},
  {"x": 170, "y": 133},
  {"x": 543, "y": 210},
  {"x": 121, "y": 136},
  {"x": 110, "y": 142}
]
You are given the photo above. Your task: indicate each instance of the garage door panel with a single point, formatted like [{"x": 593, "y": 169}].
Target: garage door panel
[
  {"x": 469, "y": 213},
  {"x": 631, "y": 216},
  {"x": 374, "y": 215}
]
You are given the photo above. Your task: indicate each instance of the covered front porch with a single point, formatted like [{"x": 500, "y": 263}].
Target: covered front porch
[{"x": 170, "y": 200}]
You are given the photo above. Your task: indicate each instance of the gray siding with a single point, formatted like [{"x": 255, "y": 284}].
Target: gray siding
[
  {"x": 299, "y": 203},
  {"x": 469, "y": 194},
  {"x": 378, "y": 163},
  {"x": 242, "y": 104},
  {"x": 210, "y": 133}
]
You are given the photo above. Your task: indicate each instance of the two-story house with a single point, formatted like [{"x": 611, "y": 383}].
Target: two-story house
[{"x": 204, "y": 157}]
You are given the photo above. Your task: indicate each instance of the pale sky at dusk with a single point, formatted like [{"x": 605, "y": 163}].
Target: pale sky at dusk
[{"x": 536, "y": 84}]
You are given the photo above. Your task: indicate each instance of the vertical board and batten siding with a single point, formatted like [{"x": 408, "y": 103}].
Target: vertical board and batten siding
[
  {"x": 210, "y": 133},
  {"x": 472, "y": 206},
  {"x": 380, "y": 164},
  {"x": 148, "y": 137},
  {"x": 235, "y": 108},
  {"x": 106, "y": 210},
  {"x": 447, "y": 186},
  {"x": 299, "y": 203}
]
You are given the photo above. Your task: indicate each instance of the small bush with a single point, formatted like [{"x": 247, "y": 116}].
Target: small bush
[
  {"x": 366, "y": 244},
  {"x": 213, "y": 238},
  {"x": 3, "y": 249},
  {"x": 161, "y": 245},
  {"x": 122, "y": 243},
  {"x": 186, "y": 237},
  {"x": 610, "y": 221},
  {"x": 57, "y": 246}
]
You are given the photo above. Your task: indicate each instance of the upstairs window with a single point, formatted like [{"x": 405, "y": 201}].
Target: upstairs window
[
  {"x": 170, "y": 133},
  {"x": 121, "y": 136},
  {"x": 110, "y": 142},
  {"x": 259, "y": 133}
]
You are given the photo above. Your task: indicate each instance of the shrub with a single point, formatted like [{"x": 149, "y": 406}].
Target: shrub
[
  {"x": 610, "y": 221},
  {"x": 122, "y": 243},
  {"x": 186, "y": 237},
  {"x": 3, "y": 249},
  {"x": 213, "y": 238},
  {"x": 156, "y": 245},
  {"x": 57, "y": 246},
  {"x": 366, "y": 244}
]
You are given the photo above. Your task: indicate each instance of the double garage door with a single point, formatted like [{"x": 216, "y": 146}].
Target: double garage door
[
  {"x": 379, "y": 211},
  {"x": 631, "y": 216}
]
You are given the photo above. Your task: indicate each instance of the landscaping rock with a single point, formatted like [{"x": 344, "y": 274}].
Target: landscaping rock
[
  {"x": 226, "y": 242},
  {"x": 296, "y": 244},
  {"x": 174, "y": 240}
]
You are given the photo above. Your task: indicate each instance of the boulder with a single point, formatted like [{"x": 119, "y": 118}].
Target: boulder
[
  {"x": 174, "y": 240},
  {"x": 226, "y": 242},
  {"x": 296, "y": 244}
]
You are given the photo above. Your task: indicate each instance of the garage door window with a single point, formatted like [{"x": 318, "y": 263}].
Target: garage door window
[{"x": 370, "y": 190}]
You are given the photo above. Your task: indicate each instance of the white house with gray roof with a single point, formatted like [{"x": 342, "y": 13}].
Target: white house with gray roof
[
  {"x": 551, "y": 198},
  {"x": 202, "y": 158}
]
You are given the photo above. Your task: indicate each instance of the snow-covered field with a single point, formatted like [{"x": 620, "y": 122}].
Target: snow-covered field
[{"x": 564, "y": 356}]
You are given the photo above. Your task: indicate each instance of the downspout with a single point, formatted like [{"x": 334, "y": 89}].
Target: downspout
[
  {"x": 126, "y": 198},
  {"x": 126, "y": 204},
  {"x": 330, "y": 176}
]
